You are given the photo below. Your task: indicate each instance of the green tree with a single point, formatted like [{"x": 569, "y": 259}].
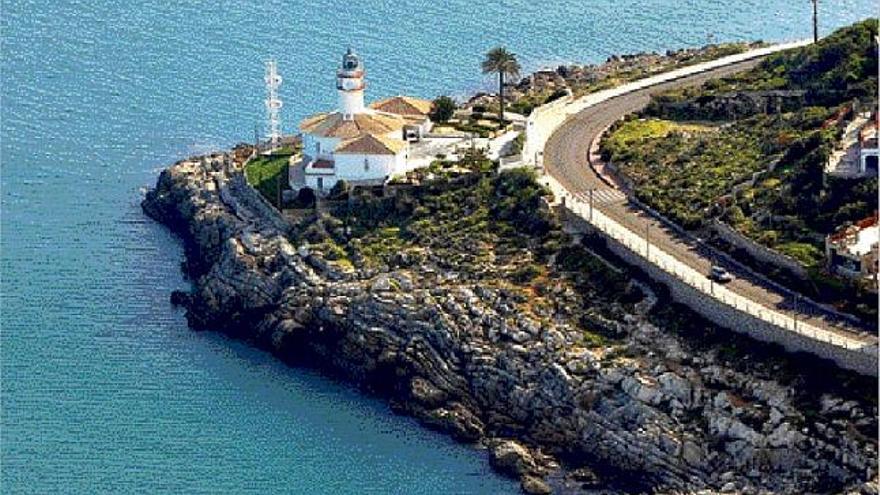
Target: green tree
[
  {"x": 443, "y": 109},
  {"x": 499, "y": 60}
]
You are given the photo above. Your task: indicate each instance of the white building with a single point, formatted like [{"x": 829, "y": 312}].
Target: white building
[
  {"x": 358, "y": 144},
  {"x": 852, "y": 250},
  {"x": 869, "y": 154}
]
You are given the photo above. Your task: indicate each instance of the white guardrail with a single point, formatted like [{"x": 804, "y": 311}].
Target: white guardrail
[
  {"x": 668, "y": 263},
  {"x": 545, "y": 120}
]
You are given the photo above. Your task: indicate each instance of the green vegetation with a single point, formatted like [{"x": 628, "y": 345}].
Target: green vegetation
[
  {"x": 798, "y": 207},
  {"x": 516, "y": 146},
  {"x": 493, "y": 229},
  {"x": 686, "y": 170},
  {"x": 634, "y": 130},
  {"x": 268, "y": 173},
  {"x": 504, "y": 63},
  {"x": 526, "y": 103},
  {"x": 481, "y": 124},
  {"x": 612, "y": 75},
  {"x": 628, "y": 74},
  {"x": 690, "y": 175},
  {"x": 777, "y": 124},
  {"x": 472, "y": 161},
  {"x": 443, "y": 109},
  {"x": 839, "y": 68}
]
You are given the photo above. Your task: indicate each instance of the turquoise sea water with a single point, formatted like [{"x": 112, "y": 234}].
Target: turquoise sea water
[{"x": 103, "y": 387}]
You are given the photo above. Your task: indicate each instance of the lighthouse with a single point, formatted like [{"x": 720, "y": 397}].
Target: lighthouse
[
  {"x": 361, "y": 145},
  {"x": 350, "y": 85}
]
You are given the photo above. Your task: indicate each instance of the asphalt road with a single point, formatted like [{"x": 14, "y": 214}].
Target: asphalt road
[{"x": 566, "y": 159}]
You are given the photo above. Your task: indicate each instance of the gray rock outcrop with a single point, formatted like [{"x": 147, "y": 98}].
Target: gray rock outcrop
[{"x": 459, "y": 357}]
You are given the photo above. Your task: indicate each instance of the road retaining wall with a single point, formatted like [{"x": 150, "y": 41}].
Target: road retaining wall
[
  {"x": 863, "y": 360},
  {"x": 758, "y": 251}
]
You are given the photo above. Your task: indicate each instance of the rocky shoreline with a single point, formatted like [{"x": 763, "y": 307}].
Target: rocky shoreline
[
  {"x": 650, "y": 414},
  {"x": 549, "y": 83}
]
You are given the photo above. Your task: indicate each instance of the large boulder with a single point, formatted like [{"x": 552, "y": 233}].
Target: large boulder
[{"x": 512, "y": 458}]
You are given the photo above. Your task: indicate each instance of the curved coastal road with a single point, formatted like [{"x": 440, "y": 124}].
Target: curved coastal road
[{"x": 566, "y": 160}]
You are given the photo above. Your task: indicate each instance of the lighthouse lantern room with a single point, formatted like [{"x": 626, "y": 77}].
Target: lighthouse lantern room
[{"x": 350, "y": 84}]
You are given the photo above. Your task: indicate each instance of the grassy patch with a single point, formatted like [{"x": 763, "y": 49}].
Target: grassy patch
[
  {"x": 682, "y": 169},
  {"x": 267, "y": 173},
  {"x": 807, "y": 254},
  {"x": 633, "y": 131}
]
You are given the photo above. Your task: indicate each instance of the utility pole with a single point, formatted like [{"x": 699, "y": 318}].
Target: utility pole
[
  {"x": 591, "y": 205},
  {"x": 815, "y": 21},
  {"x": 278, "y": 191}
]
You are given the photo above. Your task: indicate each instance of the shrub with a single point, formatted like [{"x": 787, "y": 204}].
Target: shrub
[
  {"x": 525, "y": 273},
  {"x": 305, "y": 198},
  {"x": 340, "y": 190},
  {"x": 806, "y": 254},
  {"x": 559, "y": 93},
  {"x": 443, "y": 109}
]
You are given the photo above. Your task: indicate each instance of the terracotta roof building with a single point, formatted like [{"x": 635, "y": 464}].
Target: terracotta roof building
[
  {"x": 404, "y": 105},
  {"x": 371, "y": 144},
  {"x": 852, "y": 250},
  {"x": 357, "y": 144},
  {"x": 336, "y": 125}
]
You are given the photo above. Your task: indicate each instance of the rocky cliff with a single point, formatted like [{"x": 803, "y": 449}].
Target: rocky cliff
[{"x": 647, "y": 412}]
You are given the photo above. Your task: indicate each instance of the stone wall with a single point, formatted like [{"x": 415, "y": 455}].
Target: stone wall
[
  {"x": 863, "y": 361},
  {"x": 717, "y": 254},
  {"x": 758, "y": 251},
  {"x": 246, "y": 198}
]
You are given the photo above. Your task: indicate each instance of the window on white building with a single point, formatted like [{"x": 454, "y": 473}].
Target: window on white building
[
  {"x": 366, "y": 164},
  {"x": 318, "y": 148}
]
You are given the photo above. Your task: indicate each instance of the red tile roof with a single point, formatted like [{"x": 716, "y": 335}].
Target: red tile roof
[
  {"x": 325, "y": 164},
  {"x": 335, "y": 125},
  {"x": 404, "y": 105},
  {"x": 369, "y": 144},
  {"x": 860, "y": 225}
]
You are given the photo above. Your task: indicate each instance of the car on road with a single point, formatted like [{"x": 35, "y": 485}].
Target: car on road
[{"x": 720, "y": 274}]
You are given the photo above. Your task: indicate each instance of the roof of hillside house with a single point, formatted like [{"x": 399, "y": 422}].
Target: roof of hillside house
[
  {"x": 371, "y": 144},
  {"x": 866, "y": 240},
  {"x": 334, "y": 125},
  {"x": 860, "y": 238},
  {"x": 404, "y": 105}
]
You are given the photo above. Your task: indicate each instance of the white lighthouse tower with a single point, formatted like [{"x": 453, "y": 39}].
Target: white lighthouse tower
[{"x": 350, "y": 84}]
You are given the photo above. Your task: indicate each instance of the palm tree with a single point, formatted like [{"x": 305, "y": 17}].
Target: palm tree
[
  {"x": 815, "y": 21},
  {"x": 504, "y": 63}
]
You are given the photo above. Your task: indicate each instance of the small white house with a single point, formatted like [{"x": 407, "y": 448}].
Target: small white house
[
  {"x": 852, "y": 250},
  {"x": 358, "y": 144},
  {"x": 869, "y": 152}
]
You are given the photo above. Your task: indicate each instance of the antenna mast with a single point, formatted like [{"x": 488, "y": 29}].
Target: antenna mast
[{"x": 273, "y": 104}]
